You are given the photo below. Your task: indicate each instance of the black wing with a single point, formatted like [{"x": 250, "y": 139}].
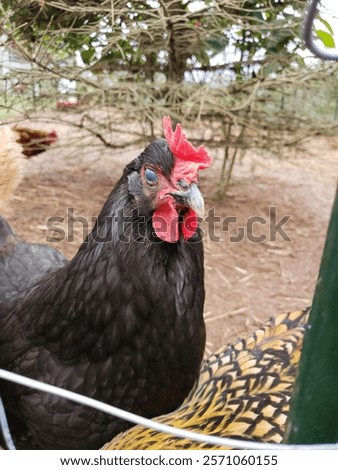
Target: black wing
[{"x": 22, "y": 265}]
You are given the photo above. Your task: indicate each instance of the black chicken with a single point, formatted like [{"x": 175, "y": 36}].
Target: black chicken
[{"x": 121, "y": 322}]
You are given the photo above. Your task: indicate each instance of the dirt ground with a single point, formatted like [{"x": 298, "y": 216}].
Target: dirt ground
[{"x": 246, "y": 281}]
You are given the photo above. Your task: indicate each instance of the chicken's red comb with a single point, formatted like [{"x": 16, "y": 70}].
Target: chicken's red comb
[{"x": 182, "y": 148}]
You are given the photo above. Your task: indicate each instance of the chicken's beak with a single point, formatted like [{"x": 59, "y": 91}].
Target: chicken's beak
[{"x": 192, "y": 198}]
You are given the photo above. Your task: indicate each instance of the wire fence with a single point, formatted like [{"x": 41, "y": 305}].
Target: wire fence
[{"x": 149, "y": 423}]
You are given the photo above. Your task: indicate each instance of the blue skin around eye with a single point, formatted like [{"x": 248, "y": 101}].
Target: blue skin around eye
[{"x": 150, "y": 175}]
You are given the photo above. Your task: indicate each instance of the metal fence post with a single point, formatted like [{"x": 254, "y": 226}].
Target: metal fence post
[{"x": 313, "y": 416}]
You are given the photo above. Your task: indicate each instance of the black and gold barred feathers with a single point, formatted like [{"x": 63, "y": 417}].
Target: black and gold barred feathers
[{"x": 243, "y": 391}]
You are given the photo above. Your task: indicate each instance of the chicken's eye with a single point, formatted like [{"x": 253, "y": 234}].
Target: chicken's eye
[{"x": 150, "y": 176}]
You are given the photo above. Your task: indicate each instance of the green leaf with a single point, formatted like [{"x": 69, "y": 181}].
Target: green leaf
[
  {"x": 271, "y": 68},
  {"x": 87, "y": 55},
  {"x": 327, "y": 24},
  {"x": 258, "y": 15},
  {"x": 215, "y": 44},
  {"x": 326, "y": 38},
  {"x": 276, "y": 42}
]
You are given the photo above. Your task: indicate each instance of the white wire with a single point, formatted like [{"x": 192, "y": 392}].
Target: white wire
[
  {"x": 133, "y": 418},
  {"x": 5, "y": 431}
]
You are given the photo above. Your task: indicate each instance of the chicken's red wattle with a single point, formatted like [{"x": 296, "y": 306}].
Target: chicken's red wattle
[{"x": 166, "y": 222}]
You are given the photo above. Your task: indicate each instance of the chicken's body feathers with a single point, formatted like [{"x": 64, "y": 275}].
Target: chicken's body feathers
[
  {"x": 243, "y": 391},
  {"x": 22, "y": 265}
]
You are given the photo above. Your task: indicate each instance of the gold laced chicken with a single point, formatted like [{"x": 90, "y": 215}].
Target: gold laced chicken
[{"x": 243, "y": 391}]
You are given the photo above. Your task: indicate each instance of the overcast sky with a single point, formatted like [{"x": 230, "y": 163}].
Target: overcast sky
[
  {"x": 332, "y": 16},
  {"x": 332, "y": 5}
]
